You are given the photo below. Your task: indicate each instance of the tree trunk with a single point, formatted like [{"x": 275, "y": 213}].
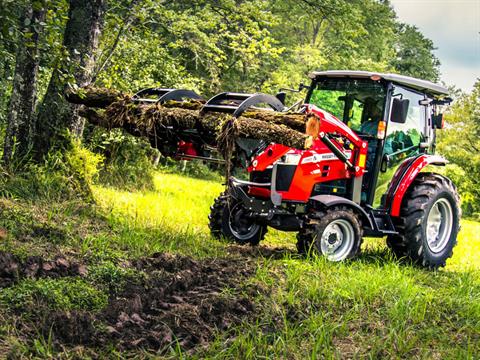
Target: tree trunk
[
  {"x": 57, "y": 117},
  {"x": 19, "y": 132},
  {"x": 164, "y": 126},
  {"x": 103, "y": 97}
]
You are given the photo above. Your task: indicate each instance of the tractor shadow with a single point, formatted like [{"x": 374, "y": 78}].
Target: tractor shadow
[
  {"x": 379, "y": 256},
  {"x": 263, "y": 251},
  {"x": 367, "y": 256}
]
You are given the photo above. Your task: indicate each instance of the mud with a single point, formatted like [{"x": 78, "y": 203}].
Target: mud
[
  {"x": 175, "y": 301},
  {"x": 272, "y": 253},
  {"x": 183, "y": 301},
  {"x": 13, "y": 269}
]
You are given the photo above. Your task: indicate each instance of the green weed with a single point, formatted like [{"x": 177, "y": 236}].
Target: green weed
[
  {"x": 111, "y": 277},
  {"x": 55, "y": 294}
]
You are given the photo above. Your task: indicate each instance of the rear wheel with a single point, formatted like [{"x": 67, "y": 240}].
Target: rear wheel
[
  {"x": 228, "y": 217},
  {"x": 335, "y": 233},
  {"x": 429, "y": 222}
]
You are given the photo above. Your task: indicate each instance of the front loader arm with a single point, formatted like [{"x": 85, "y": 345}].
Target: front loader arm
[{"x": 329, "y": 126}]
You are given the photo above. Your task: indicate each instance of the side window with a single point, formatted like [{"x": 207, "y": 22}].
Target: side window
[{"x": 403, "y": 140}]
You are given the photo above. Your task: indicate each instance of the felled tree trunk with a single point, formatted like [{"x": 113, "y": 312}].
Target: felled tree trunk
[
  {"x": 158, "y": 123},
  {"x": 102, "y": 98},
  {"x": 94, "y": 97}
]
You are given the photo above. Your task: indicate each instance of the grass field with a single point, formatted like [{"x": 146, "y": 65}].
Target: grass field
[{"x": 372, "y": 307}]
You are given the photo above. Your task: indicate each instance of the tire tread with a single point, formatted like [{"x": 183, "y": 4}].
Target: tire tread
[{"x": 409, "y": 242}]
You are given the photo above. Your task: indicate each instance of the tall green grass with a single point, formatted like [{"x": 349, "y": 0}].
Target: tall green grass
[{"x": 372, "y": 307}]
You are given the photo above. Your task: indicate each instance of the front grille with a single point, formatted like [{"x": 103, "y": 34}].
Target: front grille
[{"x": 284, "y": 176}]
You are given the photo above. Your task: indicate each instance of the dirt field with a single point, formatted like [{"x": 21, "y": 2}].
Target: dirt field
[{"x": 175, "y": 300}]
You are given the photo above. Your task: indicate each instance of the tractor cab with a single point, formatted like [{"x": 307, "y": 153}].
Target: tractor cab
[{"x": 396, "y": 115}]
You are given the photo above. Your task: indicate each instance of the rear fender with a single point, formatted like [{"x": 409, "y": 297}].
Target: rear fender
[
  {"x": 328, "y": 201},
  {"x": 404, "y": 177}
]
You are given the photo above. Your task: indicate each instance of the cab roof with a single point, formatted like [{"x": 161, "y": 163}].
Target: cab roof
[{"x": 417, "y": 84}]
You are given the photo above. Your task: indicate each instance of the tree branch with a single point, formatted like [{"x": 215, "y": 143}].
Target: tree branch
[{"x": 112, "y": 49}]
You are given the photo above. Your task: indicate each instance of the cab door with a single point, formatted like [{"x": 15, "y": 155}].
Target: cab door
[{"x": 402, "y": 140}]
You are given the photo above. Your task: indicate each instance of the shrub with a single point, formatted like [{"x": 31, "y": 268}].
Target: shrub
[
  {"x": 127, "y": 160},
  {"x": 61, "y": 176}
]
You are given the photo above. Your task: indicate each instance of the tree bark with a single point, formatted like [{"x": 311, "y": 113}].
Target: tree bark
[
  {"x": 102, "y": 98},
  {"x": 19, "y": 131},
  {"x": 57, "y": 117},
  {"x": 160, "y": 124}
]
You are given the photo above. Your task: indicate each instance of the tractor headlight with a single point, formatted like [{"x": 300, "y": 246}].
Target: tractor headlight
[{"x": 292, "y": 159}]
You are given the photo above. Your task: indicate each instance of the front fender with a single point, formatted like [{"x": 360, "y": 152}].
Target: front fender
[
  {"x": 404, "y": 177},
  {"x": 328, "y": 201}
]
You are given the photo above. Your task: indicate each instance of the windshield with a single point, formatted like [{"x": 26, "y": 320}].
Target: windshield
[{"x": 358, "y": 103}]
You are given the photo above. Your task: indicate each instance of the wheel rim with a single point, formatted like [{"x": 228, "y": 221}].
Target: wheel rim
[
  {"x": 337, "y": 240},
  {"x": 439, "y": 225},
  {"x": 240, "y": 226}
]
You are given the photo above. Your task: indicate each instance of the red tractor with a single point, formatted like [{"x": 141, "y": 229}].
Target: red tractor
[{"x": 364, "y": 175}]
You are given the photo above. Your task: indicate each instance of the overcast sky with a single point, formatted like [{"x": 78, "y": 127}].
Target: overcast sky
[{"x": 454, "y": 27}]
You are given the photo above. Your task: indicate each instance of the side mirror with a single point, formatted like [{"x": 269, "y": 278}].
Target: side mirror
[
  {"x": 437, "y": 121},
  {"x": 399, "y": 110},
  {"x": 281, "y": 95}
]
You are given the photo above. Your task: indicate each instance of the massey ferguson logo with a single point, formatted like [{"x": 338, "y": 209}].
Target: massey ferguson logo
[{"x": 322, "y": 157}]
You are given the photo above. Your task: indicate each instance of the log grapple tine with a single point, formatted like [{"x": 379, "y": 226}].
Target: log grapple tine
[
  {"x": 237, "y": 103},
  {"x": 163, "y": 95}
]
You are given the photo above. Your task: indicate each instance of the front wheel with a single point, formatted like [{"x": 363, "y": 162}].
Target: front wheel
[
  {"x": 335, "y": 233},
  {"x": 228, "y": 217},
  {"x": 429, "y": 222}
]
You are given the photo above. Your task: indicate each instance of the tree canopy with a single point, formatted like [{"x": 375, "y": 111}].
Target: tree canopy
[
  {"x": 204, "y": 45},
  {"x": 460, "y": 143}
]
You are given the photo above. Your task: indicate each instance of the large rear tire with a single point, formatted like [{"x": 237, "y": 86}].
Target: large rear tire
[
  {"x": 229, "y": 218},
  {"x": 429, "y": 222}
]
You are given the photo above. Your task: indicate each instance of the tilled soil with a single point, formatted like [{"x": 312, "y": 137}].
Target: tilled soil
[
  {"x": 179, "y": 301},
  {"x": 12, "y": 268}
]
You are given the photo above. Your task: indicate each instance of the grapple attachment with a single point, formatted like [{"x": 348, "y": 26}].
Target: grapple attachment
[
  {"x": 189, "y": 144},
  {"x": 237, "y": 103},
  {"x": 161, "y": 95}
]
